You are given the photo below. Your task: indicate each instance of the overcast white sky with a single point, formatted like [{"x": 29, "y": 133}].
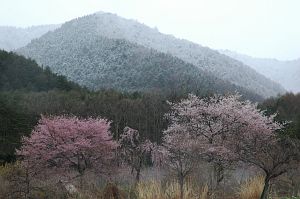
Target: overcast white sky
[{"x": 260, "y": 28}]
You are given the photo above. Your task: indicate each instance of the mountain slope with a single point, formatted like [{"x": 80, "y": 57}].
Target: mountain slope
[
  {"x": 20, "y": 80},
  {"x": 16, "y": 72},
  {"x": 12, "y": 38},
  {"x": 286, "y": 73},
  {"x": 97, "y": 62},
  {"x": 223, "y": 67}
]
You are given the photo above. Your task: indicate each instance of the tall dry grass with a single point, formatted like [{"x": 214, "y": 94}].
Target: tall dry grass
[
  {"x": 171, "y": 190},
  {"x": 204, "y": 192},
  {"x": 251, "y": 188}
]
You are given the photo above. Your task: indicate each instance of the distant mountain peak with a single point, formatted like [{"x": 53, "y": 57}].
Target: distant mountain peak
[{"x": 286, "y": 73}]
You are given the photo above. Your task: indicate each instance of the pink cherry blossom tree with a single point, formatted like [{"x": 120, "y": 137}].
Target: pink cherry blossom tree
[
  {"x": 210, "y": 121},
  {"x": 225, "y": 129},
  {"x": 134, "y": 150},
  {"x": 64, "y": 143}
]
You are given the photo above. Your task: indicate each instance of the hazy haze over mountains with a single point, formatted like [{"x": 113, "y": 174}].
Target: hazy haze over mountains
[
  {"x": 253, "y": 27},
  {"x": 287, "y": 73},
  {"x": 12, "y": 38}
]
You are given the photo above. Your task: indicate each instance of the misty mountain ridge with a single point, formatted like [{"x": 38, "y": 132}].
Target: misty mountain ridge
[
  {"x": 286, "y": 73},
  {"x": 97, "y": 62},
  {"x": 223, "y": 67},
  {"x": 114, "y": 27}
]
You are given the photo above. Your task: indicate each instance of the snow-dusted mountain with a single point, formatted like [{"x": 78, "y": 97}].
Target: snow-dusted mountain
[
  {"x": 111, "y": 26},
  {"x": 97, "y": 62},
  {"x": 12, "y": 38},
  {"x": 287, "y": 73}
]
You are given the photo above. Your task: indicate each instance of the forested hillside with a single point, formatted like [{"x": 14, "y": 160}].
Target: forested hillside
[
  {"x": 98, "y": 62},
  {"x": 12, "y": 38},
  {"x": 27, "y": 91},
  {"x": 286, "y": 73},
  {"x": 17, "y": 72},
  {"x": 112, "y": 26},
  {"x": 18, "y": 76},
  {"x": 20, "y": 111},
  {"x": 287, "y": 108}
]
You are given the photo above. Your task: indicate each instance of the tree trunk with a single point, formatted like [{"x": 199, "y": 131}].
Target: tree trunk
[
  {"x": 137, "y": 177},
  {"x": 219, "y": 173},
  {"x": 138, "y": 171},
  {"x": 181, "y": 184},
  {"x": 27, "y": 191},
  {"x": 81, "y": 181},
  {"x": 265, "y": 192}
]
